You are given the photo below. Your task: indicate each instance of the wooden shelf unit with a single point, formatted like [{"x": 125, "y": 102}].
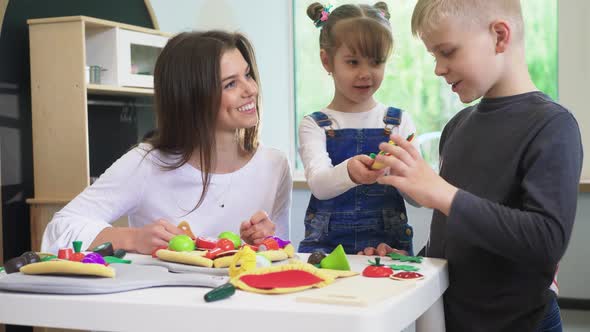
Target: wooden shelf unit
[{"x": 59, "y": 96}]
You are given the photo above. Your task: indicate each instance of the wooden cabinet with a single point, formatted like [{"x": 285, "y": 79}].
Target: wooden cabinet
[{"x": 59, "y": 50}]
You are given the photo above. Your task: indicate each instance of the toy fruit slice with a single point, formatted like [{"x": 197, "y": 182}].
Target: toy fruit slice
[{"x": 407, "y": 276}]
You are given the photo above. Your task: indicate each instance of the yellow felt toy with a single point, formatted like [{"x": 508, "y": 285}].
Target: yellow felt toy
[
  {"x": 282, "y": 279},
  {"x": 185, "y": 257},
  {"x": 68, "y": 267}
]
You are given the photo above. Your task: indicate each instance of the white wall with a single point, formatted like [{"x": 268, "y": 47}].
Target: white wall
[
  {"x": 574, "y": 65},
  {"x": 268, "y": 24}
]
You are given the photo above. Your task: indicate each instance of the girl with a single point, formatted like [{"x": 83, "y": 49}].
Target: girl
[
  {"x": 204, "y": 164},
  {"x": 347, "y": 206}
]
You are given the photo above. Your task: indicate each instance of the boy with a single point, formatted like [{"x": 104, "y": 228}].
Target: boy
[{"x": 505, "y": 201}]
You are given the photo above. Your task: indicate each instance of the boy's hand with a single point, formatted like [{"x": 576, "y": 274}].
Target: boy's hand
[
  {"x": 412, "y": 175},
  {"x": 154, "y": 235},
  {"x": 360, "y": 172},
  {"x": 381, "y": 250},
  {"x": 259, "y": 226}
]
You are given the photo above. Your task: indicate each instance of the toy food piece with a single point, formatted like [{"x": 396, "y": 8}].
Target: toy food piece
[
  {"x": 120, "y": 253},
  {"x": 186, "y": 228},
  {"x": 262, "y": 261},
  {"x": 377, "y": 270},
  {"x": 205, "y": 242},
  {"x": 378, "y": 165},
  {"x": 282, "y": 279},
  {"x": 14, "y": 265},
  {"x": 222, "y": 246},
  {"x": 407, "y": 276},
  {"x": 105, "y": 249},
  {"x": 65, "y": 253},
  {"x": 224, "y": 260},
  {"x": 235, "y": 238},
  {"x": 69, "y": 267},
  {"x": 156, "y": 250},
  {"x": 185, "y": 257},
  {"x": 116, "y": 260},
  {"x": 336, "y": 260},
  {"x": 270, "y": 244},
  {"x": 244, "y": 260},
  {"x": 77, "y": 246},
  {"x": 316, "y": 257},
  {"x": 93, "y": 258},
  {"x": 282, "y": 243},
  {"x": 404, "y": 258},
  {"x": 289, "y": 250},
  {"x": 181, "y": 242},
  {"x": 31, "y": 257},
  {"x": 339, "y": 273},
  {"x": 219, "y": 293},
  {"x": 408, "y": 268},
  {"x": 274, "y": 255},
  {"x": 77, "y": 257}
]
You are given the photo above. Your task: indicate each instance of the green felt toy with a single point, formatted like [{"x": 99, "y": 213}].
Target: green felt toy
[
  {"x": 403, "y": 258},
  {"x": 408, "y": 268}
]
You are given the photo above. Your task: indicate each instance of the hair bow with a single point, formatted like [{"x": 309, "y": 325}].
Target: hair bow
[{"x": 322, "y": 20}]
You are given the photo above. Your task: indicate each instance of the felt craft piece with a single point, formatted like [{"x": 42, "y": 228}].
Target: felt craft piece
[
  {"x": 274, "y": 255},
  {"x": 282, "y": 279},
  {"x": 185, "y": 257},
  {"x": 340, "y": 273},
  {"x": 69, "y": 268},
  {"x": 224, "y": 261}
]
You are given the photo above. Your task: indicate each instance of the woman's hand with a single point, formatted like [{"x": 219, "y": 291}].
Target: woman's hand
[
  {"x": 381, "y": 250},
  {"x": 360, "y": 172},
  {"x": 154, "y": 235},
  {"x": 259, "y": 226}
]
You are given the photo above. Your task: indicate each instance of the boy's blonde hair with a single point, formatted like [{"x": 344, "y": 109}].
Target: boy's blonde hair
[{"x": 428, "y": 13}]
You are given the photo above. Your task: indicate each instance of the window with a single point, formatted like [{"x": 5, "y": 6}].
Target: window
[{"x": 409, "y": 81}]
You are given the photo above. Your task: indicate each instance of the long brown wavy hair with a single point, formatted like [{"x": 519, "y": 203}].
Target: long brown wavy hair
[{"x": 187, "y": 97}]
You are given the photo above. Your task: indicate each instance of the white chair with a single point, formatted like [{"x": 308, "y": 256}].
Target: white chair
[{"x": 428, "y": 143}]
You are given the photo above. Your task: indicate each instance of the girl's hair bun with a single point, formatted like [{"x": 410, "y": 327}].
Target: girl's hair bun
[
  {"x": 381, "y": 6},
  {"x": 314, "y": 11}
]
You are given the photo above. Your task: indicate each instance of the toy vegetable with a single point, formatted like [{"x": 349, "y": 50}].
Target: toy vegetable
[{"x": 377, "y": 270}]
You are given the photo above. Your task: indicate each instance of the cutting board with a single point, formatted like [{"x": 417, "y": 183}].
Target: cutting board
[
  {"x": 356, "y": 291},
  {"x": 128, "y": 277}
]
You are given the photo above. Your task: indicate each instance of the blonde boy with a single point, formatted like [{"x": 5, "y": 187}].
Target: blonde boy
[{"x": 506, "y": 196}]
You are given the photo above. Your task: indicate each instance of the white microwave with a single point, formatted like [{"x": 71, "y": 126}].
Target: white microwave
[{"x": 127, "y": 58}]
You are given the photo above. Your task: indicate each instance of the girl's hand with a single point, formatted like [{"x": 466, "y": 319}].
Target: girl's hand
[
  {"x": 381, "y": 250},
  {"x": 154, "y": 235},
  {"x": 259, "y": 226},
  {"x": 412, "y": 175},
  {"x": 360, "y": 172}
]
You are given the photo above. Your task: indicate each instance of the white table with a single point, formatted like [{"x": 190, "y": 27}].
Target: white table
[{"x": 183, "y": 309}]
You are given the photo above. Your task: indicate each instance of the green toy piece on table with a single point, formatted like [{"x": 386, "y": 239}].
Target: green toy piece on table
[
  {"x": 336, "y": 260},
  {"x": 77, "y": 246},
  {"x": 408, "y": 268},
  {"x": 404, "y": 258}
]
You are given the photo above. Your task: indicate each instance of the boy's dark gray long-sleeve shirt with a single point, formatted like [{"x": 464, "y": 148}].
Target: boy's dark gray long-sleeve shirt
[{"x": 517, "y": 162}]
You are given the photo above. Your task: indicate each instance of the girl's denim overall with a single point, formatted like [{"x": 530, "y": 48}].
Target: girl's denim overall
[{"x": 365, "y": 215}]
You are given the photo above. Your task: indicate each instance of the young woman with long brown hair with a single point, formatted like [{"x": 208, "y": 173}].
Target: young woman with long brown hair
[{"x": 204, "y": 164}]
